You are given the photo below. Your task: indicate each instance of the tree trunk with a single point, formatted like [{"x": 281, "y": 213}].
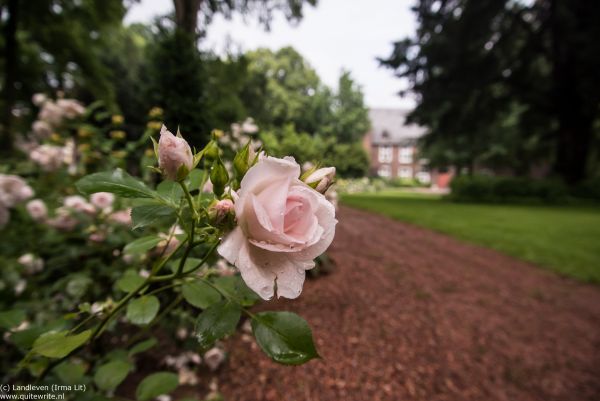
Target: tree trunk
[
  {"x": 10, "y": 77},
  {"x": 575, "y": 122},
  {"x": 186, "y": 15}
]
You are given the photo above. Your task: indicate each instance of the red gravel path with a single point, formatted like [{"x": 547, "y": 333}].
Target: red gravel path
[{"x": 410, "y": 314}]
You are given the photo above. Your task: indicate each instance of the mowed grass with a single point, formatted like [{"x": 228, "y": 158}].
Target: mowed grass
[{"x": 565, "y": 239}]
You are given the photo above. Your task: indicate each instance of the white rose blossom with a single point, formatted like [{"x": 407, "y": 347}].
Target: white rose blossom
[
  {"x": 213, "y": 358},
  {"x": 283, "y": 224}
]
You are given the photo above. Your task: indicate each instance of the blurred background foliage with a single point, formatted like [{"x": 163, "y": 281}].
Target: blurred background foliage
[
  {"x": 84, "y": 50},
  {"x": 506, "y": 85}
]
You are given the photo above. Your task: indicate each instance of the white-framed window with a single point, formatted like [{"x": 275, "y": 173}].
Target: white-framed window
[
  {"x": 385, "y": 154},
  {"x": 424, "y": 177},
  {"x": 405, "y": 155},
  {"x": 384, "y": 171},
  {"x": 405, "y": 172}
]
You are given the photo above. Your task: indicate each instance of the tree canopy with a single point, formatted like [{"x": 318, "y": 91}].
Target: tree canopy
[{"x": 501, "y": 81}]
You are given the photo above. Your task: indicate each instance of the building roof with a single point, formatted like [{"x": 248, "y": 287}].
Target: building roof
[{"x": 388, "y": 127}]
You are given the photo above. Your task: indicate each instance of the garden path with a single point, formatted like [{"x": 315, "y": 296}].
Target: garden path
[{"x": 410, "y": 314}]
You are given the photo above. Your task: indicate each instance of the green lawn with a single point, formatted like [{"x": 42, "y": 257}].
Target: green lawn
[{"x": 565, "y": 239}]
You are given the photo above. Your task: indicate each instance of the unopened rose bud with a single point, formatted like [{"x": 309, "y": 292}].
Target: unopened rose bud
[
  {"x": 241, "y": 161},
  {"x": 117, "y": 119},
  {"x": 220, "y": 210},
  {"x": 175, "y": 157},
  {"x": 321, "y": 179},
  {"x": 211, "y": 151},
  {"x": 219, "y": 177}
]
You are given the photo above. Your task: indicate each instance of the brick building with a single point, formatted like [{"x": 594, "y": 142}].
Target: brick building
[{"x": 393, "y": 149}]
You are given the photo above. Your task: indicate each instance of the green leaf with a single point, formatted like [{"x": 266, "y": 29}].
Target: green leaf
[
  {"x": 11, "y": 318},
  {"x": 143, "y": 346},
  {"x": 117, "y": 182},
  {"x": 156, "y": 384},
  {"x": 58, "y": 344},
  {"x": 285, "y": 337},
  {"x": 146, "y": 215},
  {"x": 129, "y": 281},
  {"x": 70, "y": 372},
  {"x": 216, "y": 322},
  {"x": 24, "y": 339},
  {"x": 235, "y": 287},
  {"x": 170, "y": 190},
  {"x": 78, "y": 286},
  {"x": 143, "y": 310},
  {"x": 195, "y": 178},
  {"x": 200, "y": 294},
  {"x": 142, "y": 245},
  {"x": 110, "y": 375}
]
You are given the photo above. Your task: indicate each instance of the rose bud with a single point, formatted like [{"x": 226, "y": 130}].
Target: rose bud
[
  {"x": 221, "y": 210},
  {"x": 175, "y": 157},
  {"x": 219, "y": 177},
  {"x": 211, "y": 151},
  {"x": 241, "y": 161},
  {"x": 321, "y": 179}
]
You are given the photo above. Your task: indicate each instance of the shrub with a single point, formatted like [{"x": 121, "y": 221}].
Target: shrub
[
  {"x": 507, "y": 189},
  {"x": 588, "y": 189}
]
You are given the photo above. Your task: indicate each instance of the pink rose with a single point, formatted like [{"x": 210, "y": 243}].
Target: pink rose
[
  {"x": 102, "y": 200},
  {"x": 321, "y": 179},
  {"x": 78, "y": 203},
  {"x": 37, "y": 209},
  {"x": 173, "y": 152},
  {"x": 70, "y": 108},
  {"x": 41, "y": 129},
  {"x": 121, "y": 217},
  {"x": 283, "y": 224}
]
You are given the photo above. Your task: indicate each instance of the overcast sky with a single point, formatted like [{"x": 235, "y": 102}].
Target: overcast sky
[{"x": 336, "y": 34}]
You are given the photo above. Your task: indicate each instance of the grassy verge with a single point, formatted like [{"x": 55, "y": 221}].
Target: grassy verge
[{"x": 565, "y": 239}]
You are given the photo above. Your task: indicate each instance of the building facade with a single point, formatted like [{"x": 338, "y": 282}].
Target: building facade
[{"x": 393, "y": 149}]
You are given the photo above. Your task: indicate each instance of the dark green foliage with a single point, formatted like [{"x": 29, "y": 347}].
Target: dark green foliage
[
  {"x": 588, "y": 189},
  {"x": 506, "y": 84},
  {"x": 507, "y": 189},
  {"x": 177, "y": 77}
]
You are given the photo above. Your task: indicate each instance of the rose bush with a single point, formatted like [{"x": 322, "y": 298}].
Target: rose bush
[{"x": 90, "y": 272}]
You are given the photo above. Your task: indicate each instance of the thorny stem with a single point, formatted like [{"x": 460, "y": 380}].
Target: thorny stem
[
  {"x": 190, "y": 245},
  {"x": 149, "y": 280}
]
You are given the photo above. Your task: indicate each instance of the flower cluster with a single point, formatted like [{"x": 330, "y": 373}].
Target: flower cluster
[
  {"x": 75, "y": 209},
  {"x": 52, "y": 114},
  {"x": 283, "y": 220},
  {"x": 13, "y": 190}
]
